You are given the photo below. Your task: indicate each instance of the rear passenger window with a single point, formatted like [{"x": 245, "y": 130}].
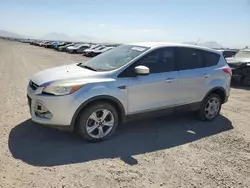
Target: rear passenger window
[
  {"x": 188, "y": 58},
  {"x": 211, "y": 59}
]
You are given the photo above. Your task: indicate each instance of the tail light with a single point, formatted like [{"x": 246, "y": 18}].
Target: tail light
[{"x": 228, "y": 70}]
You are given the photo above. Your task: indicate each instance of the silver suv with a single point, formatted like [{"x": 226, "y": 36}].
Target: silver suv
[{"x": 127, "y": 82}]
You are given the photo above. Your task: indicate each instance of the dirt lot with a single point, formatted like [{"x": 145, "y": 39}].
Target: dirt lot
[{"x": 167, "y": 152}]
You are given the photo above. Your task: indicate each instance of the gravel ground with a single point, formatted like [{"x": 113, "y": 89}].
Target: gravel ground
[{"x": 167, "y": 152}]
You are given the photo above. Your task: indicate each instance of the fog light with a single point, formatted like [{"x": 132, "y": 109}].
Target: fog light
[
  {"x": 46, "y": 115},
  {"x": 41, "y": 111},
  {"x": 39, "y": 107}
]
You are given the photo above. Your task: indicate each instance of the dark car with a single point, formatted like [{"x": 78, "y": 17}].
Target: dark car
[
  {"x": 48, "y": 44},
  {"x": 240, "y": 65},
  {"x": 228, "y": 53},
  {"x": 51, "y": 44},
  {"x": 35, "y": 42}
]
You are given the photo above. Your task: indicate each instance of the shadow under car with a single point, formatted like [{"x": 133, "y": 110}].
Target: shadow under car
[{"x": 42, "y": 146}]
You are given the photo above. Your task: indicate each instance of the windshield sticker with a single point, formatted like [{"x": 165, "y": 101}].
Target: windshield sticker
[{"x": 140, "y": 49}]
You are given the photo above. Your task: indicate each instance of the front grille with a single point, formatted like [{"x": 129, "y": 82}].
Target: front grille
[{"x": 33, "y": 86}]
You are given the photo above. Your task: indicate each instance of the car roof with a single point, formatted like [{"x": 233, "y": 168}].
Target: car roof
[
  {"x": 170, "y": 44},
  {"x": 246, "y": 49},
  {"x": 225, "y": 50}
]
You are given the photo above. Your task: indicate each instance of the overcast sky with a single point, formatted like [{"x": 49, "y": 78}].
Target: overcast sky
[{"x": 224, "y": 21}]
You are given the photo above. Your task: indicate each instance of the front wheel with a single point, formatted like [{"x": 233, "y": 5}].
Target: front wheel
[
  {"x": 210, "y": 108},
  {"x": 97, "y": 122}
]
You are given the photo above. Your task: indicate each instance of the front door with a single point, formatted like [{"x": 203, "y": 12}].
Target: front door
[{"x": 156, "y": 90}]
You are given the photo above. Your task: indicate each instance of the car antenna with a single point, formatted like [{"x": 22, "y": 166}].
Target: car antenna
[{"x": 197, "y": 42}]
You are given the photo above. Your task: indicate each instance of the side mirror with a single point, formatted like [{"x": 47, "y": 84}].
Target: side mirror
[{"x": 142, "y": 70}]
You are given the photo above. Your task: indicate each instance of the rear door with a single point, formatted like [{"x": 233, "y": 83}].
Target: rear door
[{"x": 192, "y": 75}]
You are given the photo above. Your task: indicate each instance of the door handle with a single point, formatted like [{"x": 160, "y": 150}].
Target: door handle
[{"x": 169, "y": 80}]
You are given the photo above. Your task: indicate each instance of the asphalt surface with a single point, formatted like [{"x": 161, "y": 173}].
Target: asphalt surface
[{"x": 173, "y": 151}]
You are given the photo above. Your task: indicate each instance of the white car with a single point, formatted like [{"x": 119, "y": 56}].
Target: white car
[
  {"x": 78, "y": 48},
  {"x": 92, "y": 48},
  {"x": 130, "y": 81},
  {"x": 100, "y": 50}
]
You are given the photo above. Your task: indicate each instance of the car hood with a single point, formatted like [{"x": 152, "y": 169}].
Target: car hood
[
  {"x": 238, "y": 62},
  {"x": 63, "y": 73},
  {"x": 88, "y": 50},
  {"x": 66, "y": 46},
  {"x": 72, "y": 47},
  {"x": 97, "y": 51}
]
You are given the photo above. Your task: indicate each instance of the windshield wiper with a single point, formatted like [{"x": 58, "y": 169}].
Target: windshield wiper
[{"x": 87, "y": 67}]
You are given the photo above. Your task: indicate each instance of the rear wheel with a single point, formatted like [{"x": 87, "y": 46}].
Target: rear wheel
[
  {"x": 97, "y": 122},
  {"x": 246, "y": 81},
  {"x": 210, "y": 108}
]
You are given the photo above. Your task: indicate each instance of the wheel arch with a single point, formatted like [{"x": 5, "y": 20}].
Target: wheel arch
[
  {"x": 219, "y": 91},
  {"x": 102, "y": 98}
]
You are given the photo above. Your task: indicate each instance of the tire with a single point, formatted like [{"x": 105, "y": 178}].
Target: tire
[
  {"x": 86, "y": 121},
  {"x": 205, "y": 110},
  {"x": 246, "y": 81}
]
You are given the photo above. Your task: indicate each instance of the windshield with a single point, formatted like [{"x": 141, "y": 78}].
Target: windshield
[
  {"x": 100, "y": 48},
  {"x": 243, "y": 54},
  {"x": 78, "y": 45},
  {"x": 115, "y": 58},
  {"x": 95, "y": 47}
]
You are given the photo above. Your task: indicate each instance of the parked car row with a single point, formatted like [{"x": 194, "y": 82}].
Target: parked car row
[
  {"x": 238, "y": 60},
  {"x": 86, "y": 49}
]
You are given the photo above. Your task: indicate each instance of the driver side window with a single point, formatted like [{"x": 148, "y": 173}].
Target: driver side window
[{"x": 158, "y": 61}]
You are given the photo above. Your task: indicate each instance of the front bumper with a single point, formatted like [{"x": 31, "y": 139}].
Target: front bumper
[{"x": 61, "y": 109}]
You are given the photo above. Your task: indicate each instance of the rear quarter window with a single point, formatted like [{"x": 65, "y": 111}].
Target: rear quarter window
[{"x": 211, "y": 59}]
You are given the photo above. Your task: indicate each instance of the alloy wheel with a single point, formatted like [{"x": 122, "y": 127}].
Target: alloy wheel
[
  {"x": 212, "y": 108},
  {"x": 100, "y": 123}
]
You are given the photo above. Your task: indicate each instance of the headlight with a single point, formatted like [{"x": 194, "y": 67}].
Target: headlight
[{"x": 61, "y": 90}]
